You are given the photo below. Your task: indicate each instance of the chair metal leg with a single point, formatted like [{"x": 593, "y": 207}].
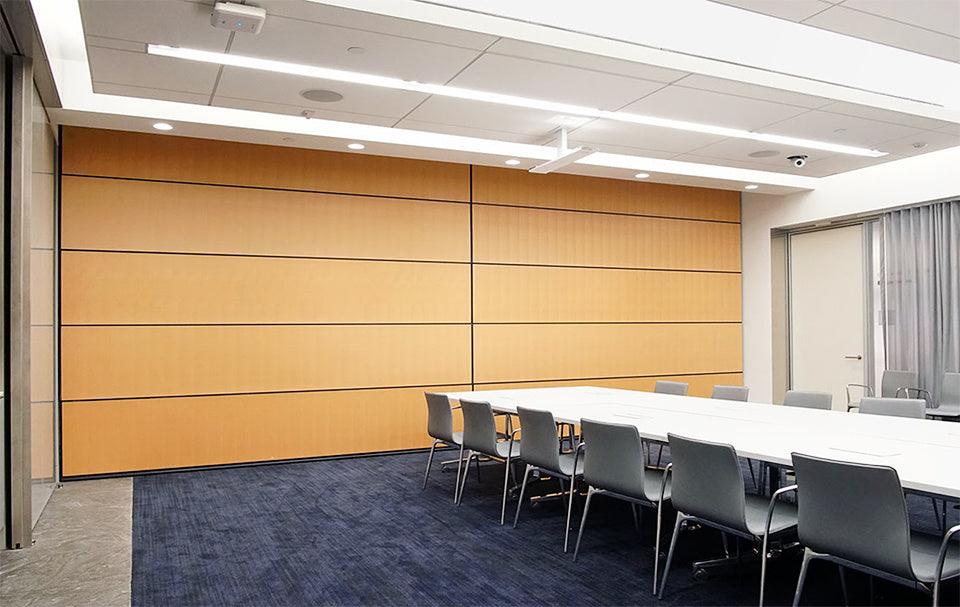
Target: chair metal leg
[
  {"x": 583, "y": 522},
  {"x": 681, "y": 519},
  {"x": 659, "y": 455},
  {"x": 506, "y": 479},
  {"x": 726, "y": 544},
  {"x": 753, "y": 477},
  {"x": 941, "y": 522},
  {"x": 456, "y": 485},
  {"x": 426, "y": 474},
  {"x": 636, "y": 520},
  {"x": 523, "y": 489},
  {"x": 573, "y": 492},
  {"x": 843, "y": 585},
  {"x": 807, "y": 557},
  {"x": 466, "y": 472}
]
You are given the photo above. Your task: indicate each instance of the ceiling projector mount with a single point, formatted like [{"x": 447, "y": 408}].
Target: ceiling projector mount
[
  {"x": 238, "y": 17},
  {"x": 565, "y": 156}
]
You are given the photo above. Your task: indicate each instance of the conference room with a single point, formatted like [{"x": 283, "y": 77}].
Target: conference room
[{"x": 396, "y": 302}]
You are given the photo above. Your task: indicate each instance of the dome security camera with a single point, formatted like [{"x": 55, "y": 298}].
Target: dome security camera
[{"x": 798, "y": 161}]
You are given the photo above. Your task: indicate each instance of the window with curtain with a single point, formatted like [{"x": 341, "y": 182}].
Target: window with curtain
[{"x": 921, "y": 291}]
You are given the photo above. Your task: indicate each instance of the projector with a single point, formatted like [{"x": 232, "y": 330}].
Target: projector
[{"x": 238, "y": 17}]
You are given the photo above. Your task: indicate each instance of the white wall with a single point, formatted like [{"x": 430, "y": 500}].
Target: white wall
[{"x": 903, "y": 182}]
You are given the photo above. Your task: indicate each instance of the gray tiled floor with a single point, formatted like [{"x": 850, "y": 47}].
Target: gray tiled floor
[{"x": 82, "y": 550}]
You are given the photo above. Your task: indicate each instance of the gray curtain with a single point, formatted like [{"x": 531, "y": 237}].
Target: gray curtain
[{"x": 921, "y": 291}]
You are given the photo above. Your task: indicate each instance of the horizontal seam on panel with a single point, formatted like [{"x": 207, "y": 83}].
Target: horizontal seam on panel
[
  {"x": 261, "y": 255},
  {"x": 610, "y": 322},
  {"x": 465, "y": 323},
  {"x": 614, "y": 213},
  {"x": 266, "y": 188},
  {"x": 264, "y": 462},
  {"x": 532, "y": 381},
  {"x": 305, "y": 391},
  {"x": 548, "y": 265}
]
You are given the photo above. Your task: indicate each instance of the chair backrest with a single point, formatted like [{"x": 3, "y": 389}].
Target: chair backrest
[
  {"x": 899, "y": 407},
  {"x": 892, "y": 380},
  {"x": 479, "y": 428},
  {"x": 853, "y": 511},
  {"x": 950, "y": 391},
  {"x": 731, "y": 393},
  {"x": 707, "y": 481},
  {"x": 808, "y": 400},
  {"x": 539, "y": 445},
  {"x": 671, "y": 387},
  {"x": 614, "y": 457},
  {"x": 439, "y": 417}
]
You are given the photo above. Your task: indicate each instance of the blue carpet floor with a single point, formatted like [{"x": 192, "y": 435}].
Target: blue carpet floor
[{"x": 361, "y": 532}]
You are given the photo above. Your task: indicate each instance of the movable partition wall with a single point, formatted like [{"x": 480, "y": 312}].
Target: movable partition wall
[{"x": 226, "y": 302}]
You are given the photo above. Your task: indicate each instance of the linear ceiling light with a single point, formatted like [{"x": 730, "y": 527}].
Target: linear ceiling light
[{"x": 323, "y": 73}]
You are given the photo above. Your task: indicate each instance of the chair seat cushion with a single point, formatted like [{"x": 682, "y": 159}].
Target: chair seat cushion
[
  {"x": 503, "y": 449},
  {"x": 566, "y": 464},
  {"x": 652, "y": 478},
  {"x": 924, "y": 549},
  {"x": 784, "y": 515}
]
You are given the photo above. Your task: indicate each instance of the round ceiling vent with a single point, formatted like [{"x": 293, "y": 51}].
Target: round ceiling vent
[
  {"x": 321, "y": 95},
  {"x": 764, "y": 154}
]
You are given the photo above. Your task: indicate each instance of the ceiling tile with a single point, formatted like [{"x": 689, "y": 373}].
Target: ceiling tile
[
  {"x": 326, "y": 46},
  {"x": 550, "y": 54},
  {"x": 841, "y": 163},
  {"x": 107, "y": 88},
  {"x": 740, "y": 150},
  {"x": 740, "y": 164},
  {"x": 873, "y": 113},
  {"x": 115, "y": 43},
  {"x": 950, "y": 129},
  {"x": 937, "y": 15},
  {"x": 708, "y": 107},
  {"x": 285, "y": 89},
  {"x": 151, "y": 71},
  {"x": 824, "y": 126},
  {"x": 449, "y": 129},
  {"x": 934, "y": 140},
  {"x": 885, "y": 31},
  {"x": 478, "y": 115},
  {"x": 607, "y": 132},
  {"x": 322, "y": 114},
  {"x": 553, "y": 82},
  {"x": 744, "y": 89},
  {"x": 372, "y": 22},
  {"x": 172, "y": 22},
  {"x": 792, "y": 10}
]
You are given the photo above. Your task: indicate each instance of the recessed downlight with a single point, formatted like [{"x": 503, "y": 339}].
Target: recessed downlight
[
  {"x": 641, "y": 175},
  {"x": 764, "y": 154},
  {"x": 752, "y": 186},
  {"x": 321, "y": 95},
  {"x": 356, "y": 146},
  {"x": 163, "y": 126},
  {"x": 512, "y": 162}
]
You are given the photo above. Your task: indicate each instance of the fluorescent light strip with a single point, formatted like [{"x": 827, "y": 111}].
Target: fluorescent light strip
[{"x": 322, "y": 73}]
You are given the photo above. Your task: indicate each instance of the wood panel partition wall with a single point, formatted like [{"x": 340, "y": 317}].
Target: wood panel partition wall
[{"x": 227, "y": 302}]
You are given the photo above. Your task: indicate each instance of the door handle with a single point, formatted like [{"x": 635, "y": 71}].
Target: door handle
[{"x": 857, "y": 357}]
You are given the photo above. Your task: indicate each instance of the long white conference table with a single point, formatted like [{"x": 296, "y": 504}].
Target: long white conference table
[{"x": 925, "y": 453}]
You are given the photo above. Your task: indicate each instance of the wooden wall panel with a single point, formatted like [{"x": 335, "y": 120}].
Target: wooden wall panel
[
  {"x": 560, "y": 191},
  {"x": 510, "y": 353},
  {"x": 125, "y": 215},
  {"x": 132, "y": 288},
  {"x": 542, "y": 294},
  {"x": 114, "y": 436},
  {"x": 700, "y": 385},
  {"x": 184, "y": 159},
  {"x": 535, "y": 236},
  {"x": 117, "y": 362}
]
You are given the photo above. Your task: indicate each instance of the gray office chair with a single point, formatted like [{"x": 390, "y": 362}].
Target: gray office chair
[
  {"x": 480, "y": 437},
  {"x": 739, "y": 393},
  {"x": 897, "y": 407},
  {"x": 613, "y": 466},
  {"x": 541, "y": 451},
  {"x": 855, "y": 515},
  {"x": 893, "y": 383},
  {"x": 440, "y": 429},
  {"x": 949, "y": 405},
  {"x": 707, "y": 487},
  {"x": 808, "y": 400},
  {"x": 677, "y": 388}
]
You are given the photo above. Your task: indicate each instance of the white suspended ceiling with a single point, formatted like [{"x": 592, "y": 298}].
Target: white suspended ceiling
[{"x": 120, "y": 86}]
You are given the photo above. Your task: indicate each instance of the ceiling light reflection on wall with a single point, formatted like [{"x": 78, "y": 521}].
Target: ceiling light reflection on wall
[{"x": 322, "y": 73}]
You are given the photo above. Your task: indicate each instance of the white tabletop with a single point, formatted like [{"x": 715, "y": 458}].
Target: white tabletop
[{"x": 925, "y": 453}]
